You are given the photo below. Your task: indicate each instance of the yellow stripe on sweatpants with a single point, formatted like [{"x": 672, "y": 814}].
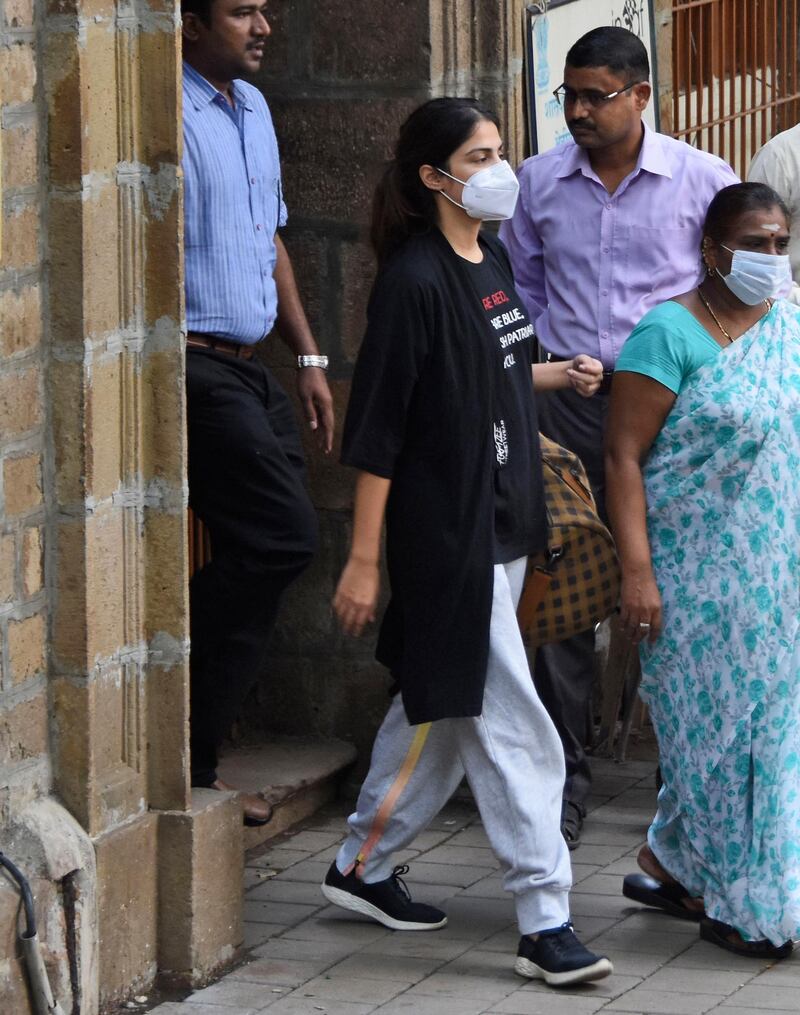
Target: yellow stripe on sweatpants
[{"x": 389, "y": 801}]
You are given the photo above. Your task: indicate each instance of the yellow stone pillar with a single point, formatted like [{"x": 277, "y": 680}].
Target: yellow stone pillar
[{"x": 111, "y": 476}]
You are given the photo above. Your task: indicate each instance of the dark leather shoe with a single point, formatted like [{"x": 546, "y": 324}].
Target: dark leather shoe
[
  {"x": 255, "y": 809},
  {"x": 571, "y": 824}
]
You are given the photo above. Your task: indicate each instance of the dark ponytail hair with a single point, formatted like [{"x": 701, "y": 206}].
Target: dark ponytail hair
[{"x": 403, "y": 206}]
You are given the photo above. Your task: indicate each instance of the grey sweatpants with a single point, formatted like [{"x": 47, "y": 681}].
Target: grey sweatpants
[{"x": 513, "y": 760}]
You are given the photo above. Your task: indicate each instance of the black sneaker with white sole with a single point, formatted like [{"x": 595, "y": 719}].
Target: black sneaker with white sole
[
  {"x": 388, "y": 901},
  {"x": 557, "y": 957}
]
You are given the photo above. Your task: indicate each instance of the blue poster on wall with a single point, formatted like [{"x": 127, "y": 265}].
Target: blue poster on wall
[{"x": 552, "y": 27}]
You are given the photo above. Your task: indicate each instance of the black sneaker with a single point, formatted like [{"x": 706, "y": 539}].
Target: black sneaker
[
  {"x": 388, "y": 902},
  {"x": 557, "y": 957}
]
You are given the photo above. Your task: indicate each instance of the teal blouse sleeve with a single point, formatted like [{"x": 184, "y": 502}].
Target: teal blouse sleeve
[{"x": 669, "y": 345}]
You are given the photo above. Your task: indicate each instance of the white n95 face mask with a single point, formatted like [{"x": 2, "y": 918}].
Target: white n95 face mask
[
  {"x": 757, "y": 277},
  {"x": 490, "y": 194}
]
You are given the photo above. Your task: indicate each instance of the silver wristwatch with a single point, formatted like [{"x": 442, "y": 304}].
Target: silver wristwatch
[{"x": 312, "y": 361}]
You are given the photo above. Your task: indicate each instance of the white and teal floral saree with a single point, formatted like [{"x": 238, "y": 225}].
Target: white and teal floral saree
[{"x": 723, "y": 679}]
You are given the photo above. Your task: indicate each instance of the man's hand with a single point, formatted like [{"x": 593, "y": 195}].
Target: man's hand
[
  {"x": 315, "y": 396},
  {"x": 585, "y": 375},
  {"x": 312, "y": 387}
]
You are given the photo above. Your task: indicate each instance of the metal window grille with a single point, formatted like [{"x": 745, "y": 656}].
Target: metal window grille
[{"x": 735, "y": 74}]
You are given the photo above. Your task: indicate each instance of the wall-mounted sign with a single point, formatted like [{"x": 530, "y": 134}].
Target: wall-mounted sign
[{"x": 553, "y": 26}]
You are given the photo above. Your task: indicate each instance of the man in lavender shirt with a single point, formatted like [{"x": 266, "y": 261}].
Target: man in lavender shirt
[{"x": 605, "y": 228}]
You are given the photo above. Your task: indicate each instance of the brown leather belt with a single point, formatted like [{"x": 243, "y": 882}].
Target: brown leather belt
[
  {"x": 219, "y": 345},
  {"x": 605, "y": 384}
]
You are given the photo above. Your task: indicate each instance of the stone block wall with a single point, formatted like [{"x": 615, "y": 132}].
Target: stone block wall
[
  {"x": 340, "y": 79},
  {"x": 23, "y": 599},
  {"x": 38, "y": 834},
  {"x": 93, "y": 544}
]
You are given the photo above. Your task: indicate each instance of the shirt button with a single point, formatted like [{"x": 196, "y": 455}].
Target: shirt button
[
  {"x": 252, "y": 179},
  {"x": 605, "y": 334},
  {"x": 605, "y": 292},
  {"x": 609, "y": 206},
  {"x": 259, "y": 228},
  {"x": 606, "y": 250}
]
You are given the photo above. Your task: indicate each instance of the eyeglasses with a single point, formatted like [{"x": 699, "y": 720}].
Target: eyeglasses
[{"x": 590, "y": 98}]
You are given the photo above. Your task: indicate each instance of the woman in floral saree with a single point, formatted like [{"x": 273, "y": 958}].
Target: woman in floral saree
[{"x": 703, "y": 468}]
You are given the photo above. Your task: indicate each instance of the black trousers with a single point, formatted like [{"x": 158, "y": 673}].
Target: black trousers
[
  {"x": 564, "y": 672},
  {"x": 246, "y": 482}
]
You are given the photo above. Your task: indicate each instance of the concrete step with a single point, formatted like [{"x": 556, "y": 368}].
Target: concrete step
[{"x": 297, "y": 776}]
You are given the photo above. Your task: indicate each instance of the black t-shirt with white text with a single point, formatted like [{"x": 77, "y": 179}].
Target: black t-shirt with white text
[
  {"x": 421, "y": 414},
  {"x": 518, "y": 494}
]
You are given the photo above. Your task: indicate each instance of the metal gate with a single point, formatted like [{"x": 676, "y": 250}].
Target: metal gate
[{"x": 735, "y": 74}]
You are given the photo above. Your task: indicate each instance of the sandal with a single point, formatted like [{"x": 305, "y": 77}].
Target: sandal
[
  {"x": 725, "y": 936},
  {"x": 670, "y": 898}
]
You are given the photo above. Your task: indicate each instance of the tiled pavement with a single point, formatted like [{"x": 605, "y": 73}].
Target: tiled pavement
[{"x": 309, "y": 957}]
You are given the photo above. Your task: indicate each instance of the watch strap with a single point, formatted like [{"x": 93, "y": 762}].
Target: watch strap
[{"x": 312, "y": 361}]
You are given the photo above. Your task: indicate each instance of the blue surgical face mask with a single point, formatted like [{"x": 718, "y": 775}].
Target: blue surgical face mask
[
  {"x": 756, "y": 277},
  {"x": 490, "y": 194}
]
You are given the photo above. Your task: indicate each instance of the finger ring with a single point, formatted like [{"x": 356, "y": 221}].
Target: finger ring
[{"x": 644, "y": 626}]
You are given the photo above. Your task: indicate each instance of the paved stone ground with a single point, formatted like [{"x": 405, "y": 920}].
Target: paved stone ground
[{"x": 309, "y": 957}]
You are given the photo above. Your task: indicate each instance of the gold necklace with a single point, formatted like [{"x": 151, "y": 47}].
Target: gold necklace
[{"x": 717, "y": 321}]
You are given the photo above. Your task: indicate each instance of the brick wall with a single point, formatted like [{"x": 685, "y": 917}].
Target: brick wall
[
  {"x": 23, "y": 600},
  {"x": 24, "y": 747},
  {"x": 93, "y": 645}
]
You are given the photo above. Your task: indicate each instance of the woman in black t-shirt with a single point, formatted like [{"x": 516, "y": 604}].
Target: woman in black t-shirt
[{"x": 442, "y": 428}]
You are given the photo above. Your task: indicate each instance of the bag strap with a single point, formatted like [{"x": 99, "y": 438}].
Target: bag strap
[{"x": 572, "y": 482}]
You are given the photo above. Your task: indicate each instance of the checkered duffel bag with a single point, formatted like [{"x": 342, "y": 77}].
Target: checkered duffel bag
[{"x": 574, "y": 583}]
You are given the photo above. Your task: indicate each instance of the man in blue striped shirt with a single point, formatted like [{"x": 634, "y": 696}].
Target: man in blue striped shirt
[{"x": 246, "y": 471}]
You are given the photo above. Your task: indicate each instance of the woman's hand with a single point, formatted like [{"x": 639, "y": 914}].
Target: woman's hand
[
  {"x": 585, "y": 374},
  {"x": 640, "y": 606},
  {"x": 357, "y": 595}
]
